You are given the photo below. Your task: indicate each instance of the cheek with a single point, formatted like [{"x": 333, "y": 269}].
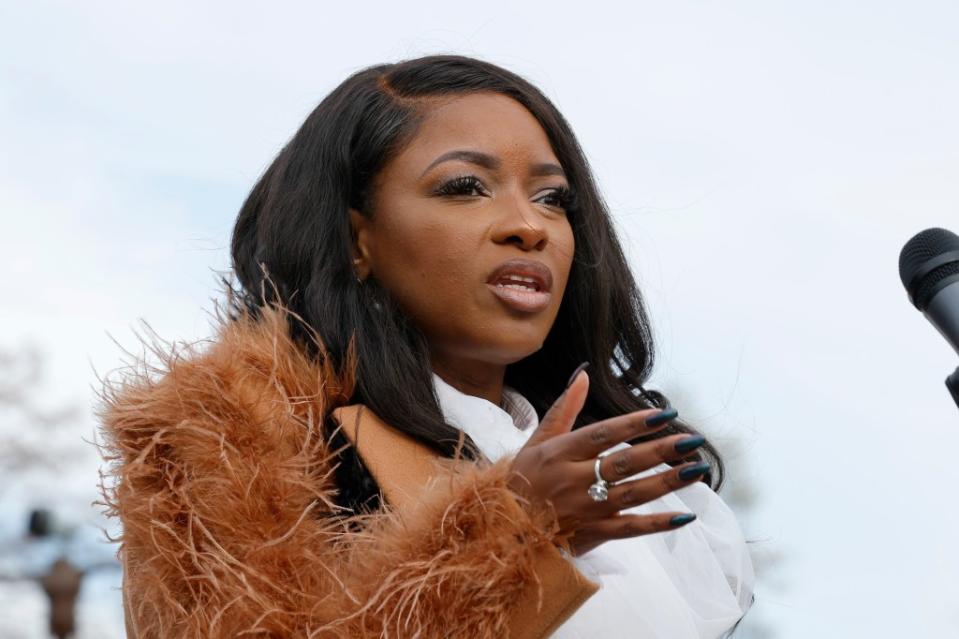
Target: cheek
[
  {"x": 565, "y": 248},
  {"x": 426, "y": 265}
]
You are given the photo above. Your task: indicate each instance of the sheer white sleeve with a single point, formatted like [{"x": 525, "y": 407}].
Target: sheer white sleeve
[
  {"x": 696, "y": 581},
  {"x": 691, "y": 583}
]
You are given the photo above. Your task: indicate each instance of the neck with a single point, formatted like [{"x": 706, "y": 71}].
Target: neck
[{"x": 479, "y": 379}]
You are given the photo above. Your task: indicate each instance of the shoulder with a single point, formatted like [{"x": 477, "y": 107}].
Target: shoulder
[{"x": 250, "y": 391}]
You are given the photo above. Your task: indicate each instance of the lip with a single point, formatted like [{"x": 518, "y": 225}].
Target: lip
[
  {"x": 526, "y": 268},
  {"x": 525, "y": 301}
]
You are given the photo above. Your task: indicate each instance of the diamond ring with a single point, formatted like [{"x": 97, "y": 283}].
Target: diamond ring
[{"x": 600, "y": 490}]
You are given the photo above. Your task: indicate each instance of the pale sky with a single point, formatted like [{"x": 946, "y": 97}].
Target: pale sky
[{"x": 764, "y": 161}]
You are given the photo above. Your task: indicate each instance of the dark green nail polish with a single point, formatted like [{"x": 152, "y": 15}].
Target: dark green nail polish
[
  {"x": 682, "y": 520},
  {"x": 576, "y": 372},
  {"x": 690, "y": 443},
  {"x": 665, "y": 415},
  {"x": 693, "y": 471}
]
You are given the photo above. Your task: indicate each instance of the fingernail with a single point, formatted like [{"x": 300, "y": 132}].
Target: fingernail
[
  {"x": 576, "y": 372},
  {"x": 694, "y": 471},
  {"x": 690, "y": 443},
  {"x": 663, "y": 416},
  {"x": 682, "y": 520}
]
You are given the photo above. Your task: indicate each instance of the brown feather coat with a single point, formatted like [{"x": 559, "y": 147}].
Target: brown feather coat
[{"x": 222, "y": 477}]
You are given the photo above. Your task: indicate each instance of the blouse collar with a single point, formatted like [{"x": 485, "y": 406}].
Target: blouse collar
[{"x": 496, "y": 430}]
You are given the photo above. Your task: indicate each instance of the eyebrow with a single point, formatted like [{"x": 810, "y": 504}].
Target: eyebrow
[{"x": 492, "y": 163}]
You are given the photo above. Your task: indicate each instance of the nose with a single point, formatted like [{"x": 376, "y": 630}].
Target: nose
[{"x": 521, "y": 224}]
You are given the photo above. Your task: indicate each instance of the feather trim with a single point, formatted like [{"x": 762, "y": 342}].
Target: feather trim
[{"x": 222, "y": 477}]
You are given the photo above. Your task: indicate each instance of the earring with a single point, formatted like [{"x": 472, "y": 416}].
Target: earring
[{"x": 356, "y": 263}]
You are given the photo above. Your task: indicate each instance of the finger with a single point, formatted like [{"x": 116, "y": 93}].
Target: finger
[
  {"x": 562, "y": 414},
  {"x": 624, "y": 526},
  {"x": 589, "y": 441},
  {"x": 643, "y": 456},
  {"x": 641, "y": 491}
]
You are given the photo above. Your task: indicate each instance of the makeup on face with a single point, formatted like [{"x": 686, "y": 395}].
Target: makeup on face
[
  {"x": 522, "y": 284},
  {"x": 470, "y": 233}
]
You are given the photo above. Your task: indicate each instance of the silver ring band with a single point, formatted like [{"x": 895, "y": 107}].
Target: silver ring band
[{"x": 598, "y": 491}]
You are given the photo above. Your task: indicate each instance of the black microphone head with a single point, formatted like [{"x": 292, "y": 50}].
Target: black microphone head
[{"x": 930, "y": 257}]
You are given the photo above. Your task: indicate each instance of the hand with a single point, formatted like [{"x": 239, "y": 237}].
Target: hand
[{"x": 556, "y": 466}]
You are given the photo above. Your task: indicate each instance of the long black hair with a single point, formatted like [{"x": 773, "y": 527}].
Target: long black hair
[{"x": 294, "y": 230}]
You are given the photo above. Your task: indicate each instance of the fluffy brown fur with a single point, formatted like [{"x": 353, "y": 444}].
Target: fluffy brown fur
[{"x": 222, "y": 478}]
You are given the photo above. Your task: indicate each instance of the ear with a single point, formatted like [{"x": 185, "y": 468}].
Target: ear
[{"x": 360, "y": 232}]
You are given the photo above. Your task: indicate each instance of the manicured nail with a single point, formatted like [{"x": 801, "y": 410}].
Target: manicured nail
[
  {"x": 663, "y": 416},
  {"x": 576, "y": 372},
  {"x": 693, "y": 471},
  {"x": 681, "y": 520},
  {"x": 690, "y": 443}
]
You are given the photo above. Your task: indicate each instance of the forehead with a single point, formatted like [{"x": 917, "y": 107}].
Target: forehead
[{"x": 488, "y": 122}]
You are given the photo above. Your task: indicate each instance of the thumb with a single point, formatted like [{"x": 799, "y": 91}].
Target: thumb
[{"x": 562, "y": 414}]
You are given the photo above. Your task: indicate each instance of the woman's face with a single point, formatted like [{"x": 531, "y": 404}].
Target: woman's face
[{"x": 477, "y": 186}]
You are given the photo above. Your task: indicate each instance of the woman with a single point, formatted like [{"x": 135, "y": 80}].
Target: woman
[{"x": 384, "y": 440}]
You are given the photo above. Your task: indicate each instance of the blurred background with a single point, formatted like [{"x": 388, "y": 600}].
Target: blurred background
[{"x": 765, "y": 162}]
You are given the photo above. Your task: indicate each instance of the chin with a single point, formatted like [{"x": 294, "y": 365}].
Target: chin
[{"x": 516, "y": 350}]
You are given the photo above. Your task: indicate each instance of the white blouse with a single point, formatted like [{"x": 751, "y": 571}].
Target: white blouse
[{"x": 694, "y": 582}]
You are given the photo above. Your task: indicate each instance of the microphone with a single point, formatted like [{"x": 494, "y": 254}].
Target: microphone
[{"x": 929, "y": 269}]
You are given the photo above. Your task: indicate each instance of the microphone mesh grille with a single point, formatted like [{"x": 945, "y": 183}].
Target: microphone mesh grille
[{"x": 918, "y": 251}]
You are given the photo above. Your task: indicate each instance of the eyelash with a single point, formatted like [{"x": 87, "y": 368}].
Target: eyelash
[{"x": 464, "y": 184}]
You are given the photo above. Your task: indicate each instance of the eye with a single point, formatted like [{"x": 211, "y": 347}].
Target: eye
[
  {"x": 462, "y": 185},
  {"x": 468, "y": 185},
  {"x": 561, "y": 197}
]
